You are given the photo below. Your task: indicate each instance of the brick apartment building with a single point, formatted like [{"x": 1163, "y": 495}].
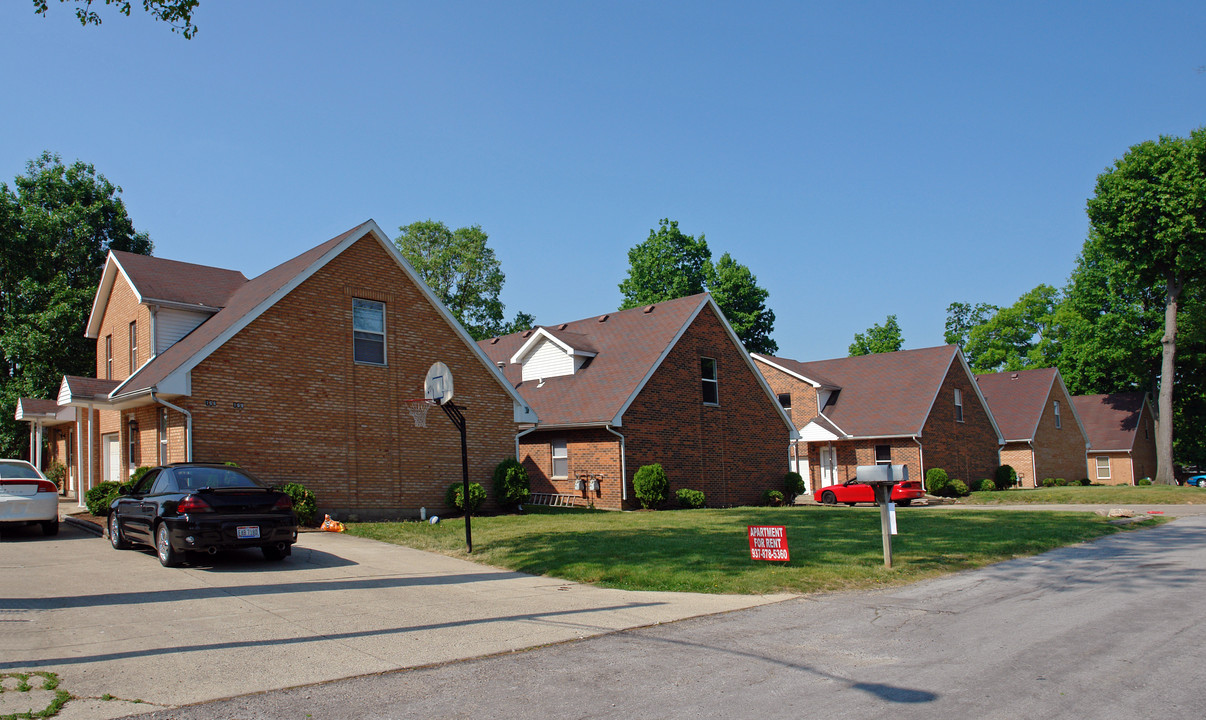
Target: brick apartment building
[
  {"x": 1122, "y": 436},
  {"x": 298, "y": 375},
  {"x": 919, "y": 408},
  {"x": 1044, "y": 435},
  {"x": 668, "y": 383}
]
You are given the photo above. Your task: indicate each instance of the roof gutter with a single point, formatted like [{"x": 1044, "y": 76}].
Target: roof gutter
[
  {"x": 188, "y": 424},
  {"x": 520, "y": 434}
]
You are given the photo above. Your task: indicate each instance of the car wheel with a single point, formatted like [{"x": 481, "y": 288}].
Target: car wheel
[
  {"x": 115, "y": 537},
  {"x": 50, "y": 527},
  {"x": 163, "y": 547},
  {"x": 272, "y": 552},
  {"x": 828, "y": 498}
]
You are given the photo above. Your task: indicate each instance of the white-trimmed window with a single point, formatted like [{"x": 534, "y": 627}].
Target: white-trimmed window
[
  {"x": 958, "y": 405},
  {"x": 785, "y": 401},
  {"x": 1059, "y": 423},
  {"x": 560, "y": 459},
  {"x": 1103, "y": 467},
  {"x": 711, "y": 388},
  {"x": 134, "y": 456},
  {"x": 883, "y": 454},
  {"x": 108, "y": 357},
  {"x": 133, "y": 347},
  {"x": 368, "y": 331}
]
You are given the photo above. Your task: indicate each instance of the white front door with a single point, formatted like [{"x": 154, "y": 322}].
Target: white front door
[
  {"x": 828, "y": 466},
  {"x": 111, "y": 457}
]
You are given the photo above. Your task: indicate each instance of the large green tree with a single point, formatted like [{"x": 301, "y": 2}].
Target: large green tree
[
  {"x": 884, "y": 338},
  {"x": 1016, "y": 337},
  {"x": 57, "y": 225},
  {"x": 670, "y": 264},
  {"x": 460, "y": 268},
  {"x": 962, "y": 317},
  {"x": 176, "y": 13},
  {"x": 1148, "y": 213}
]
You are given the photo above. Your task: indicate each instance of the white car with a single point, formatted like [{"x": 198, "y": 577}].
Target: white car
[{"x": 27, "y": 497}]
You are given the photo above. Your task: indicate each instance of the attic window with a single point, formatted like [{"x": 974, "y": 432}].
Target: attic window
[
  {"x": 368, "y": 332},
  {"x": 1058, "y": 420},
  {"x": 958, "y": 405},
  {"x": 648, "y": 309},
  {"x": 785, "y": 401},
  {"x": 711, "y": 388}
]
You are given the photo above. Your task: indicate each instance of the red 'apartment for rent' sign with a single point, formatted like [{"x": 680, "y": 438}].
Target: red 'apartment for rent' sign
[{"x": 768, "y": 542}]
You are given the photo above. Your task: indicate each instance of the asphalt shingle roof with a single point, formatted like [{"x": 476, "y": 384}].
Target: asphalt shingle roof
[
  {"x": 628, "y": 344},
  {"x": 1110, "y": 420},
  {"x": 179, "y": 282},
  {"x": 1017, "y": 400}
]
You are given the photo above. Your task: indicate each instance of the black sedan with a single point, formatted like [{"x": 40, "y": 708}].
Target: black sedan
[{"x": 193, "y": 507}]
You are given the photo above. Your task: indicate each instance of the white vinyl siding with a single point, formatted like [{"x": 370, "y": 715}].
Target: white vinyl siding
[
  {"x": 171, "y": 325},
  {"x": 547, "y": 360}
]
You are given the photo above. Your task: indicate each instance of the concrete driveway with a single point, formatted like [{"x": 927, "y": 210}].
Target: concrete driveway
[{"x": 117, "y": 623}]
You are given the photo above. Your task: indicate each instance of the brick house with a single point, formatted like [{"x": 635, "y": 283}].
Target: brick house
[
  {"x": 1044, "y": 435},
  {"x": 1122, "y": 436},
  {"x": 668, "y": 383},
  {"x": 920, "y": 408},
  {"x": 298, "y": 375}
]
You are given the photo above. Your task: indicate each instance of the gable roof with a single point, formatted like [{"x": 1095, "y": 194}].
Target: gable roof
[
  {"x": 1018, "y": 399},
  {"x": 1111, "y": 419},
  {"x": 167, "y": 372},
  {"x": 882, "y": 394},
  {"x": 169, "y": 283},
  {"x": 628, "y": 347}
]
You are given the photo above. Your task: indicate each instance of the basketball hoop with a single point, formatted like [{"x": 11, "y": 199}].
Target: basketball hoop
[{"x": 418, "y": 410}]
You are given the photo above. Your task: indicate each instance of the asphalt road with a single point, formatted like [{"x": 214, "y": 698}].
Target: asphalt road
[{"x": 1109, "y": 629}]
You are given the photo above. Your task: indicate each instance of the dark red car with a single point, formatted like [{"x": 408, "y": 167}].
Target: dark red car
[{"x": 853, "y": 491}]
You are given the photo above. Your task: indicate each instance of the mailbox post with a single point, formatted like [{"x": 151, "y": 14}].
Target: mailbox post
[{"x": 882, "y": 478}]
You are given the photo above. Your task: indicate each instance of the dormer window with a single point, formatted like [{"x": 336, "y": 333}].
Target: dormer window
[{"x": 552, "y": 353}]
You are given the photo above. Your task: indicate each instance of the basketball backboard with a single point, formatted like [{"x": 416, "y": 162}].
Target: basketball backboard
[{"x": 438, "y": 385}]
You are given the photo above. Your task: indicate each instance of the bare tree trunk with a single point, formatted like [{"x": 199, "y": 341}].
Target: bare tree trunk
[{"x": 1165, "y": 472}]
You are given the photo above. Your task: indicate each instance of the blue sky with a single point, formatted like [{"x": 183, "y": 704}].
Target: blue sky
[{"x": 863, "y": 159}]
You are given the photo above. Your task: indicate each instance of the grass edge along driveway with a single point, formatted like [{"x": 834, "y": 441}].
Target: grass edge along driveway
[
  {"x": 1116, "y": 495},
  {"x": 707, "y": 550}
]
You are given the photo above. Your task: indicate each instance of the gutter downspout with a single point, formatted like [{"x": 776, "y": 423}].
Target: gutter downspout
[
  {"x": 188, "y": 425},
  {"x": 623, "y": 464},
  {"x": 921, "y": 461},
  {"x": 518, "y": 435}
]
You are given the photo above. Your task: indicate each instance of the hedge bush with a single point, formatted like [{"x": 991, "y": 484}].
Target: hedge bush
[
  {"x": 98, "y": 498},
  {"x": 1050, "y": 482},
  {"x": 455, "y": 496},
  {"x": 1144, "y": 481},
  {"x": 957, "y": 488},
  {"x": 936, "y": 481},
  {"x": 651, "y": 485},
  {"x": 511, "y": 485},
  {"x": 690, "y": 499},
  {"x": 1006, "y": 477},
  {"x": 987, "y": 485},
  {"x": 793, "y": 485},
  {"x": 1085, "y": 482},
  {"x": 304, "y": 502},
  {"x": 772, "y": 497}
]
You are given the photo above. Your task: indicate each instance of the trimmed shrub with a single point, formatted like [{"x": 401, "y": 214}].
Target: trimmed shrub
[
  {"x": 1144, "y": 481},
  {"x": 511, "y": 485},
  {"x": 1085, "y": 482},
  {"x": 690, "y": 499},
  {"x": 455, "y": 496},
  {"x": 304, "y": 502},
  {"x": 1006, "y": 477},
  {"x": 98, "y": 498},
  {"x": 936, "y": 481},
  {"x": 957, "y": 488},
  {"x": 57, "y": 473},
  {"x": 651, "y": 485},
  {"x": 793, "y": 486},
  {"x": 772, "y": 497},
  {"x": 1049, "y": 482},
  {"x": 987, "y": 485}
]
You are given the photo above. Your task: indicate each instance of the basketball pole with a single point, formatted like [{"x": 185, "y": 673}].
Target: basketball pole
[{"x": 454, "y": 414}]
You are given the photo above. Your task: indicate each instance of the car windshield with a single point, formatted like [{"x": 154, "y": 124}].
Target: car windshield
[
  {"x": 195, "y": 478},
  {"x": 18, "y": 471}
]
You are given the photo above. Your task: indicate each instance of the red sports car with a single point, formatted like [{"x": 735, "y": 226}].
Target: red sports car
[{"x": 853, "y": 491}]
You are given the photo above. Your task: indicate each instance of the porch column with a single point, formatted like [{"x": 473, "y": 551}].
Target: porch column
[
  {"x": 91, "y": 443},
  {"x": 79, "y": 459},
  {"x": 38, "y": 445}
]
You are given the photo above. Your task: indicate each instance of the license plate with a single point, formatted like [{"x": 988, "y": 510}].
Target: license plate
[{"x": 248, "y": 532}]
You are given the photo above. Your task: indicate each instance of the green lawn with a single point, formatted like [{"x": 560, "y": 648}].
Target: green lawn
[
  {"x": 1094, "y": 495},
  {"x": 708, "y": 550}
]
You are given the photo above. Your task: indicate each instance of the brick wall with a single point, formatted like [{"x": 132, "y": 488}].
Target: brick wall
[
  {"x": 1059, "y": 452},
  {"x": 122, "y": 308},
  {"x": 1018, "y": 456},
  {"x": 732, "y": 451},
  {"x": 966, "y": 450},
  {"x": 284, "y": 399},
  {"x": 1121, "y": 469},
  {"x": 591, "y": 451}
]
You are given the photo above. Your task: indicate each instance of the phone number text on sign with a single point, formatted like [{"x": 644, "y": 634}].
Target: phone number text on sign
[{"x": 768, "y": 542}]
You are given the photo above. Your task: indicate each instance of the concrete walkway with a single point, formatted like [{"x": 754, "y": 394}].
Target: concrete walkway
[{"x": 117, "y": 623}]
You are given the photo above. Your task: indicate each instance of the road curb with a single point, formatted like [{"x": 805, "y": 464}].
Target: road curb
[{"x": 84, "y": 525}]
